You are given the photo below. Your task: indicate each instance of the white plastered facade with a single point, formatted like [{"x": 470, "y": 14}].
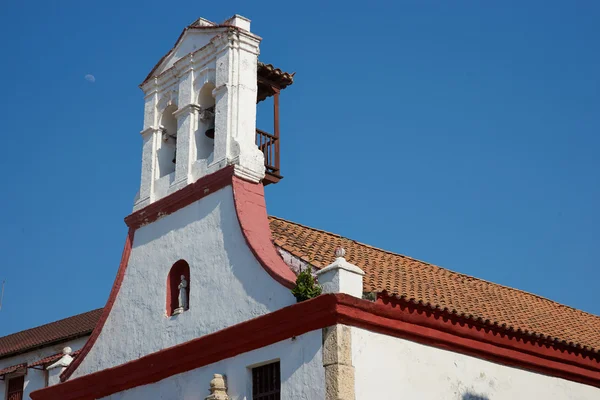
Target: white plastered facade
[
  {"x": 227, "y": 284},
  {"x": 391, "y": 368},
  {"x": 301, "y": 366},
  {"x": 36, "y": 378},
  {"x": 217, "y": 66},
  {"x": 210, "y": 66}
]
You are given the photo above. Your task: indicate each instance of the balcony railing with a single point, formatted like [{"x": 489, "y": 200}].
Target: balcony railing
[{"x": 269, "y": 145}]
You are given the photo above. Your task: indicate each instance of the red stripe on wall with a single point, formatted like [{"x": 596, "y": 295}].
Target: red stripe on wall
[
  {"x": 251, "y": 210},
  {"x": 229, "y": 342},
  {"x": 323, "y": 311},
  {"x": 252, "y": 215},
  {"x": 106, "y": 311},
  {"x": 181, "y": 198}
]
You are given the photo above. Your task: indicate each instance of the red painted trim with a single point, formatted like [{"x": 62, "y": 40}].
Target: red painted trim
[
  {"x": 181, "y": 198},
  {"x": 229, "y": 342},
  {"x": 438, "y": 331},
  {"x": 252, "y": 214},
  {"x": 408, "y": 323},
  {"x": 106, "y": 311},
  {"x": 497, "y": 335},
  {"x": 249, "y": 199}
]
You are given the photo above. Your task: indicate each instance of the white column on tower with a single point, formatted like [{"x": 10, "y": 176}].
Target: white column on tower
[
  {"x": 187, "y": 123},
  {"x": 150, "y": 135},
  {"x": 235, "y": 96}
]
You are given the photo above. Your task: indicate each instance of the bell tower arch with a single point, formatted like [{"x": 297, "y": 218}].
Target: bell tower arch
[
  {"x": 200, "y": 110},
  {"x": 208, "y": 81}
]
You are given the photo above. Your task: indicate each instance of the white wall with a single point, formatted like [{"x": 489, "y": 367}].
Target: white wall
[
  {"x": 227, "y": 285},
  {"x": 227, "y": 61},
  {"x": 192, "y": 41},
  {"x": 302, "y": 374},
  {"x": 392, "y": 368},
  {"x": 35, "y": 378}
]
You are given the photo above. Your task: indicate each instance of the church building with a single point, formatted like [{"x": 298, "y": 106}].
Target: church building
[{"x": 205, "y": 303}]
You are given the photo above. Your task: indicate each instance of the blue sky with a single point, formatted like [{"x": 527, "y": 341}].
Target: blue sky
[{"x": 463, "y": 134}]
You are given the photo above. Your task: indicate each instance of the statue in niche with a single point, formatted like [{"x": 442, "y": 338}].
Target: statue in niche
[{"x": 183, "y": 297}]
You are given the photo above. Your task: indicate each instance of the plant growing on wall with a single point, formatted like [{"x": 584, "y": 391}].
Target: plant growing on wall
[{"x": 306, "y": 288}]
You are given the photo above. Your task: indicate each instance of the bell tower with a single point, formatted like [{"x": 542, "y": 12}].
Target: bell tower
[
  {"x": 199, "y": 228},
  {"x": 200, "y": 110}
]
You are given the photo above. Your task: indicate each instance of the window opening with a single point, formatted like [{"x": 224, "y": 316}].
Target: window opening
[
  {"x": 15, "y": 388},
  {"x": 266, "y": 382}
]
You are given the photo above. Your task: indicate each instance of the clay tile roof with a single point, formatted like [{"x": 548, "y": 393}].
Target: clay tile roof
[
  {"x": 269, "y": 76},
  {"x": 422, "y": 283},
  {"x": 274, "y": 74},
  {"x": 12, "y": 368},
  {"x": 54, "y": 332}
]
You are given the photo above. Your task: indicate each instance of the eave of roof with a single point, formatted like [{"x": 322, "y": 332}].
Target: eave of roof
[
  {"x": 12, "y": 368},
  {"x": 49, "y": 334},
  {"x": 413, "y": 281},
  {"x": 395, "y": 278},
  {"x": 313, "y": 315}
]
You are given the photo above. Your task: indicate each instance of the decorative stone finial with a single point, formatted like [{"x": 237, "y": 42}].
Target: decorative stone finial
[
  {"x": 218, "y": 390},
  {"x": 341, "y": 276}
]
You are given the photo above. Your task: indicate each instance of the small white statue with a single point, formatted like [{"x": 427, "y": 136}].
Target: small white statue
[
  {"x": 64, "y": 361},
  {"x": 183, "y": 297}
]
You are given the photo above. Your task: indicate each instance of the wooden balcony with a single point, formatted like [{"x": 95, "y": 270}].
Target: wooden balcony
[
  {"x": 269, "y": 145},
  {"x": 270, "y": 82}
]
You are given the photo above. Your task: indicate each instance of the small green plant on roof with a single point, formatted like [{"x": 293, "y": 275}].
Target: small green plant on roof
[
  {"x": 306, "y": 288},
  {"x": 371, "y": 296}
]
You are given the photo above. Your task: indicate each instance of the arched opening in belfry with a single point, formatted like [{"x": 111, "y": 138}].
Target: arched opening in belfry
[
  {"x": 168, "y": 144},
  {"x": 178, "y": 288},
  {"x": 205, "y": 134}
]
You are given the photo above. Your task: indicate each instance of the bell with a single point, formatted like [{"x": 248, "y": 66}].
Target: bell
[{"x": 210, "y": 133}]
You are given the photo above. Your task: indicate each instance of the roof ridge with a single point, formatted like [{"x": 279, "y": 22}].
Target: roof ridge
[{"x": 459, "y": 274}]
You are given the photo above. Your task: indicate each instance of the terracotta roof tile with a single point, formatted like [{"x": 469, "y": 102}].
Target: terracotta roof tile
[
  {"x": 400, "y": 276},
  {"x": 65, "y": 329},
  {"x": 417, "y": 281},
  {"x": 12, "y": 368}
]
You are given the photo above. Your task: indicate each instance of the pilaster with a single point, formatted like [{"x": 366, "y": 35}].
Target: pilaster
[
  {"x": 337, "y": 361},
  {"x": 149, "y": 148},
  {"x": 187, "y": 124},
  {"x": 235, "y": 97}
]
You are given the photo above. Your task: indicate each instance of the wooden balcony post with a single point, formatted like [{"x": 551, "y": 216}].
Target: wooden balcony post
[{"x": 276, "y": 128}]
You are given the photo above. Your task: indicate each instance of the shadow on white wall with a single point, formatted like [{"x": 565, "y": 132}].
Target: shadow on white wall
[{"x": 474, "y": 396}]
